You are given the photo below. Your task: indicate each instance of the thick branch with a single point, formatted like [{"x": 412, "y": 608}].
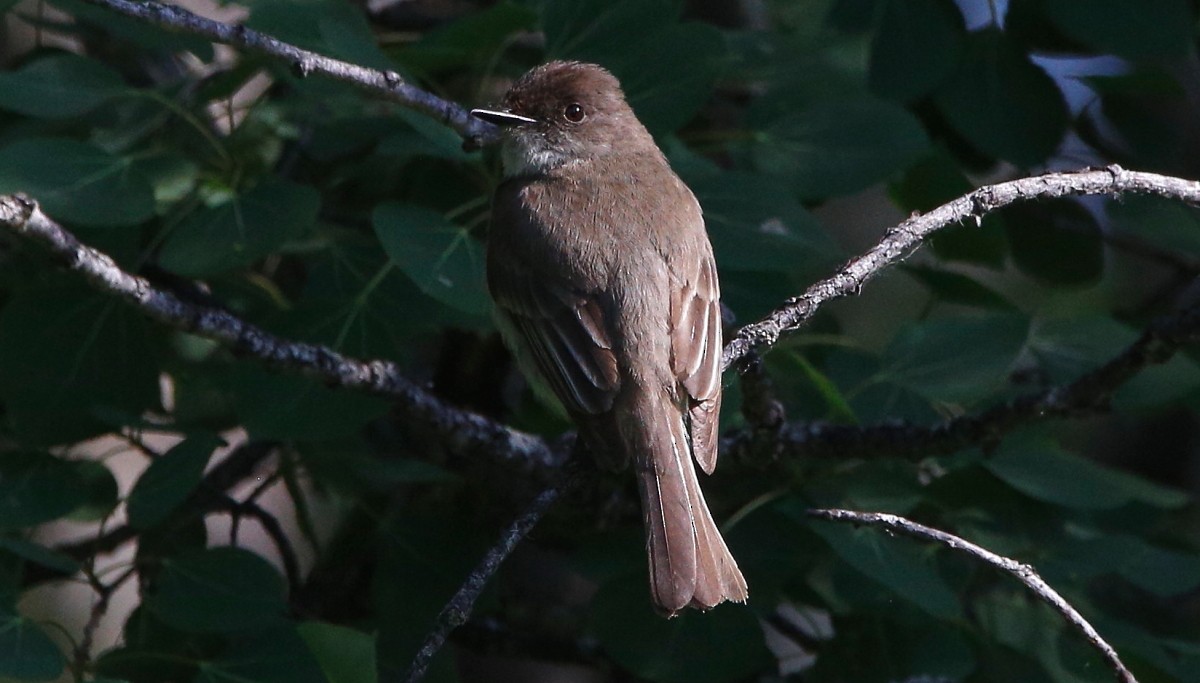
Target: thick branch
[
  {"x": 1024, "y": 573},
  {"x": 1089, "y": 394},
  {"x": 462, "y": 432},
  {"x": 903, "y": 239},
  {"x": 386, "y": 83}
]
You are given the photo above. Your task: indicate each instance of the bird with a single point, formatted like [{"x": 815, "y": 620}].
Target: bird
[{"x": 605, "y": 287}]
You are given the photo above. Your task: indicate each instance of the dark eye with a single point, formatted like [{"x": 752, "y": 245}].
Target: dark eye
[{"x": 574, "y": 113}]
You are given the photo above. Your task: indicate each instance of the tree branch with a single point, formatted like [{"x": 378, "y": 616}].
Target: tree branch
[
  {"x": 463, "y": 432},
  {"x": 458, "y": 610},
  {"x": 900, "y": 241},
  {"x": 1088, "y": 394},
  {"x": 1024, "y": 573},
  {"x": 304, "y": 62}
]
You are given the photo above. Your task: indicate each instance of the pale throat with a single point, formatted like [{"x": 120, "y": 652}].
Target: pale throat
[{"x": 530, "y": 159}]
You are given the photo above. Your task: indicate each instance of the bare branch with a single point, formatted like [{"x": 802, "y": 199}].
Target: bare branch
[
  {"x": 900, "y": 241},
  {"x": 1024, "y": 573},
  {"x": 463, "y": 432},
  {"x": 458, "y": 610},
  {"x": 388, "y": 84}
]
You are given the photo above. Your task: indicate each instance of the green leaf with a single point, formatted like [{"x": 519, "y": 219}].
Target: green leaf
[
  {"x": 1160, "y": 385},
  {"x": 241, "y": 230},
  {"x": 1142, "y": 30},
  {"x": 329, "y": 27},
  {"x": 1158, "y": 571},
  {"x": 277, "y": 654},
  {"x": 724, "y": 644},
  {"x": 291, "y": 407},
  {"x": 1166, "y": 223},
  {"x": 26, "y": 652},
  {"x": 169, "y": 480},
  {"x": 1067, "y": 347},
  {"x": 1041, "y": 469},
  {"x": 957, "y": 288},
  {"x": 900, "y": 564},
  {"x": 40, "y": 554},
  {"x": 37, "y": 487},
  {"x": 76, "y": 182},
  {"x": 64, "y": 352},
  {"x": 831, "y": 148},
  {"x": 916, "y": 47},
  {"x": 100, "y": 491},
  {"x": 1059, "y": 244},
  {"x": 344, "y": 654},
  {"x": 959, "y": 359},
  {"x": 1003, "y": 103},
  {"x": 218, "y": 590},
  {"x": 667, "y": 69},
  {"x": 443, "y": 259},
  {"x": 755, "y": 224},
  {"x": 58, "y": 86},
  {"x": 469, "y": 40}
]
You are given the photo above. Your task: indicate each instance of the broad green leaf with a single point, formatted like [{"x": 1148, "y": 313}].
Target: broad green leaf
[
  {"x": 724, "y": 644},
  {"x": 470, "y": 40},
  {"x": 344, "y": 654},
  {"x": 1058, "y": 244},
  {"x": 218, "y": 590},
  {"x": 957, "y": 288},
  {"x": 1160, "y": 385},
  {"x": 278, "y": 406},
  {"x": 667, "y": 69},
  {"x": 76, "y": 182},
  {"x": 916, "y": 47},
  {"x": 960, "y": 359},
  {"x": 26, "y": 652},
  {"x": 1156, "y": 570},
  {"x": 900, "y": 564},
  {"x": 443, "y": 259},
  {"x": 276, "y": 654},
  {"x": 1003, "y": 103},
  {"x": 66, "y": 351},
  {"x": 37, "y": 487},
  {"x": 330, "y": 27},
  {"x": 831, "y": 148},
  {"x": 58, "y": 86},
  {"x": 241, "y": 230},
  {"x": 1042, "y": 470},
  {"x": 418, "y": 135},
  {"x": 39, "y": 554},
  {"x": 100, "y": 492},
  {"x": 755, "y": 224},
  {"x": 358, "y": 470},
  {"x": 1067, "y": 347},
  {"x": 1145, "y": 29},
  {"x": 1165, "y": 223},
  {"x": 169, "y": 480}
]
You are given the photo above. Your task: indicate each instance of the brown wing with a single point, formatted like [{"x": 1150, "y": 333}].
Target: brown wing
[
  {"x": 696, "y": 355},
  {"x": 565, "y": 334}
]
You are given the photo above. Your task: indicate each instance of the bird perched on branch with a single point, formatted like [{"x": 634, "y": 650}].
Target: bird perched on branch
[{"x": 606, "y": 288}]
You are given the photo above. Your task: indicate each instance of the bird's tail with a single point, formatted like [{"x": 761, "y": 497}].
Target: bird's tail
[{"x": 690, "y": 565}]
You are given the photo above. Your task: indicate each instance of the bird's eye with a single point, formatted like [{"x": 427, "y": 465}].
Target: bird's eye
[{"x": 574, "y": 113}]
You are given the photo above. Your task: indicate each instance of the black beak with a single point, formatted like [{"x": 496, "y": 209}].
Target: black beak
[{"x": 503, "y": 119}]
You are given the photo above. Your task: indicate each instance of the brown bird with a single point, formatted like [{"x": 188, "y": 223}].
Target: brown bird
[{"x": 605, "y": 286}]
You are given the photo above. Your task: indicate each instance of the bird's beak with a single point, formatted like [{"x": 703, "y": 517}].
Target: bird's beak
[{"x": 504, "y": 119}]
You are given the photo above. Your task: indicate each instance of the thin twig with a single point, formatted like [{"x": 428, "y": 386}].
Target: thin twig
[
  {"x": 900, "y": 241},
  {"x": 304, "y": 62},
  {"x": 458, "y": 610},
  {"x": 1024, "y": 573}
]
